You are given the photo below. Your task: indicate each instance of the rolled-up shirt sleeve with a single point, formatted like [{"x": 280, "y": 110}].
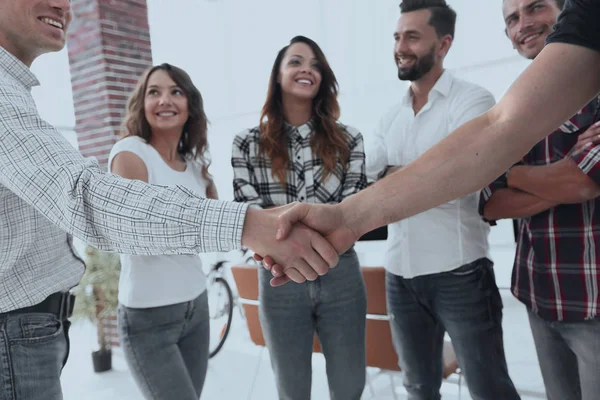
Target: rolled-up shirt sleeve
[
  {"x": 486, "y": 194},
  {"x": 578, "y": 24},
  {"x": 245, "y": 185},
  {"x": 588, "y": 162},
  {"x": 355, "y": 178}
]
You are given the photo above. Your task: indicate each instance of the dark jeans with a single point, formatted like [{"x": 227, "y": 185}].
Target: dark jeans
[
  {"x": 334, "y": 306},
  {"x": 464, "y": 302},
  {"x": 166, "y": 348},
  {"x": 569, "y": 356},
  {"x": 33, "y": 351}
]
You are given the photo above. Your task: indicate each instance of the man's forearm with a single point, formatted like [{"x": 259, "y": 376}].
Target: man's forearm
[
  {"x": 511, "y": 203},
  {"x": 561, "y": 182},
  {"x": 482, "y": 149}
]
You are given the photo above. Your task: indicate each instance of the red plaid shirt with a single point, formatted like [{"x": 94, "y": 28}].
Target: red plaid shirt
[{"x": 556, "y": 272}]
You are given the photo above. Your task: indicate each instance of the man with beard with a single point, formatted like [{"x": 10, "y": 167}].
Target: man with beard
[
  {"x": 554, "y": 192},
  {"x": 439, "y": 276}
]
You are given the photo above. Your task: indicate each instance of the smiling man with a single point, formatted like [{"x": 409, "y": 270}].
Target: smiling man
[
  {"x": 439, "y": 275},
  {"x": 553, "y": 191},
  {"x": 48, "y": 192}
]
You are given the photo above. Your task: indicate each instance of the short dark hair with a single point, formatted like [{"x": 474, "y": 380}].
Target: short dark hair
[
  {"x": 443, "y": 17},
  {"x": 559, "y": 3}
]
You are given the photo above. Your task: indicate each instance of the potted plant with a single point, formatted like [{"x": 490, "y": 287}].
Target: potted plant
[{"x": 97, "y": 299}]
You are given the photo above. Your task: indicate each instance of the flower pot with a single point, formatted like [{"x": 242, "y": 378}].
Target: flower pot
[{"x": 102, "y": 360}]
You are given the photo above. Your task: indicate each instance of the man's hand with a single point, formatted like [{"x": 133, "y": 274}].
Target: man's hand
[
  {"x": 325, "y": 219},
  {"x": 588, "y": 138},
  {"x": 302, "y": 254}
]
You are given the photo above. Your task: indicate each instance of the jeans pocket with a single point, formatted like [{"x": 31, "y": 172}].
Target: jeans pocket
[{"x": 35, "y": 328}]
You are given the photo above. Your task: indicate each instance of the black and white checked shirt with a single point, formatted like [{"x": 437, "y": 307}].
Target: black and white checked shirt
[
  {"x": 253, "y": 182},
  {"x": 47, "y": 189}
]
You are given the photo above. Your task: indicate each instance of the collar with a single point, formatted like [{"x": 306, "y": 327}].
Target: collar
[
  {"x": 442, "y": 86},
  {"x": 303, "y": 130},
  {"x": 13, "y": 67}
]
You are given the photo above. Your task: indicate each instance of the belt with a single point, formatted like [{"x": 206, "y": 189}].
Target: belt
[{"x": 60, "y": 304}]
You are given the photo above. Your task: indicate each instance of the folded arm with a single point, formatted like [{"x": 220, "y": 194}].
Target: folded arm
[
  {"x": 511, "y": 203},
  {"x": 561, "y": 182}
]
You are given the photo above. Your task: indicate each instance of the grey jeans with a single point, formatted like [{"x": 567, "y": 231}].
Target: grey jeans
[
  {"x": 33, "y": 350},
  {"x": 166, "y": 348},
  {"x": 464, "y": 302},
  {"x": 569, "y": 356},
  {"x": 334, "y": 306}
]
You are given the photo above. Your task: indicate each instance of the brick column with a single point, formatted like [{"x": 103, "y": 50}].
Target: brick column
[{"x": 109, "y": 48}]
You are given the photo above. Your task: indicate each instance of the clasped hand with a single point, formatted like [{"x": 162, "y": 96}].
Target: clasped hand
[{"x": 306, "y": 244}]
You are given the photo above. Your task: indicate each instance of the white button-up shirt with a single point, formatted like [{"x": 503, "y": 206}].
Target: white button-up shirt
[{"x": 453, "y": 234}]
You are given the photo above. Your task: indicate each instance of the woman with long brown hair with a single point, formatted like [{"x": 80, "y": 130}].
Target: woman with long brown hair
[
  {"x": 163, "y": 307},
  {"x": 300, "y": 152}
]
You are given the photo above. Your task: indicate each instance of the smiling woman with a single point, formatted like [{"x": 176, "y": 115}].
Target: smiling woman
[
  {"x": 165, "y": 143},
  {"x": 300, "y": 152}
]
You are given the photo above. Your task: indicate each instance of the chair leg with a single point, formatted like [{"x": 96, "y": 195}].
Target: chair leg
[
  {"x": 260, "y": 354},
  {"x": 393, "y": 386},
  {"x": 370, "y": 384}
]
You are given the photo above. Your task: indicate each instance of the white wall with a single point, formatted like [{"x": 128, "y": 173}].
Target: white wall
[{"x": 228, "y": 48}]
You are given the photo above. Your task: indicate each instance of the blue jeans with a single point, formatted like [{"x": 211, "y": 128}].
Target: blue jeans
[
  {"x": 335, "y": 307},
  {"x": 569, "y": 356},
  {"x": 33, "y": 350},
  {"x": 166, "y": 348},
  {"x": 464, "y": 302}
]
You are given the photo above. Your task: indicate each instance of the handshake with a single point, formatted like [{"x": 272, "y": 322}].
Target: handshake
[{"x": 299, "y": 241}]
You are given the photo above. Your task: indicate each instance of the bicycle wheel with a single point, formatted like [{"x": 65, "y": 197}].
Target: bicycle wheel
[{"x": 220, "y": 303}]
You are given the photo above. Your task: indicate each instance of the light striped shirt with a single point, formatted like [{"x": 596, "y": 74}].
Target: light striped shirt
[{"x": 48, "y": 191}]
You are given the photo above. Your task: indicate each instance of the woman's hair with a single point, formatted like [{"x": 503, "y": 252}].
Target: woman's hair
[
  {"x": 193, "y": 143},
  {"x": 329, "y": 141}
]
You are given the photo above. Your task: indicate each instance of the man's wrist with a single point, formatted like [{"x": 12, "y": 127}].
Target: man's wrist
[
  {"x": 351, "y": 220},
  {"x": 356, "y": 219},
  {"x": 248, "y": 237}
]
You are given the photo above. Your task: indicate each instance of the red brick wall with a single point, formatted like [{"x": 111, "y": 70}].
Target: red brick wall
[{"x": 109, "y": 48}]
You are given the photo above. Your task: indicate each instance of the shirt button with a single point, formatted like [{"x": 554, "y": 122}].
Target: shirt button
[
  {"x": 298, "y": 157},
  {"x": 301, "y": 198}
]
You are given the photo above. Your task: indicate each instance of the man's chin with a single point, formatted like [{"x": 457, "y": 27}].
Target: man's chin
[
  {"x": 531, "y": 54},
  {"x": 406, "y": 77},
  {"x": 52, "y": 46}
]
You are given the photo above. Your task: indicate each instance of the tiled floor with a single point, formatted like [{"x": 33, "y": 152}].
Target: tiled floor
[{"x": 241, "y": 366}]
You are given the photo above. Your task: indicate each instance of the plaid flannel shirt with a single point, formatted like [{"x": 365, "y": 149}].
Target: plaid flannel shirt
[
  {"x": 557, "y": 264},
  {"x": 254, "y": 184}
]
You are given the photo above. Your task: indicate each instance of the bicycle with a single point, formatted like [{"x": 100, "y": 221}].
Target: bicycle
[{"x": 221, "y": 297}]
